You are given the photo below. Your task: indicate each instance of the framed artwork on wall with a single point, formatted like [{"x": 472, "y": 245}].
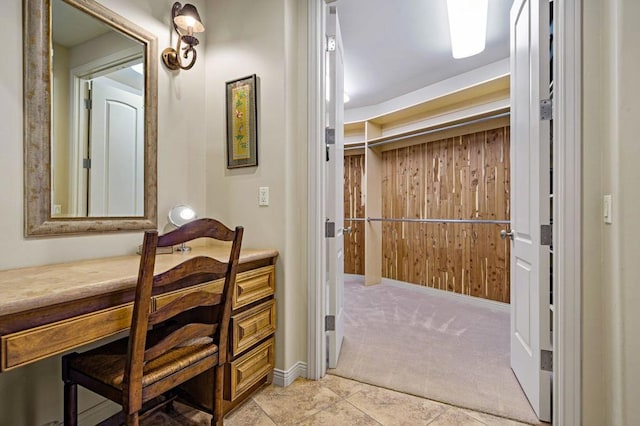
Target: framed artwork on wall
[{"x": 242, "y": 123}]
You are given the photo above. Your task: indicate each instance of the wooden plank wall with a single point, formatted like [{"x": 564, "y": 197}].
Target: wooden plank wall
[
  {"x": 354, "y": 208},
  {"x": 464, "y": 177}
]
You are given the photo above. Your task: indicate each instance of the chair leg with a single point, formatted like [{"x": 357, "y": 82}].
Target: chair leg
[
  {"x": 218, "y": 417},
  {"x": 169, "y": 408},
  {"x": 132, "y": 420},
  {"x": 70, "y": 404}
]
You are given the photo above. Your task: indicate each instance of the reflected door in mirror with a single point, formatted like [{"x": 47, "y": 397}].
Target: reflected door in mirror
[
  {"x": 98, "y": 118},
  {"x": 116, "y": 149}
]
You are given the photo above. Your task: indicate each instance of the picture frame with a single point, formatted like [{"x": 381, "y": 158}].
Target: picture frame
[{"x": 242, "y": 122}]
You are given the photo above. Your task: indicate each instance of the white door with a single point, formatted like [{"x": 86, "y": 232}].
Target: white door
[
  {"x": 116, "y": 147},
  {"x": 334, "y": 327},
  {"x": 530, "y": 324}
]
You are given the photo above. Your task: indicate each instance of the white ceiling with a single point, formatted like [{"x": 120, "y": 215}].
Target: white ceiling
[
  {"x": 71, "y": 26},
  {"x": 393, "y": 47}
]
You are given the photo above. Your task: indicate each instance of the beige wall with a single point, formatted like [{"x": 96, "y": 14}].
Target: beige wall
[
  {"x": 265, "y": 38},
  {"x": 32, "y": 395},
  {"x": 611, "y": 111},
  {"x": 627, "y": 195},
  {"x": 621, "y": 174},
  {"x": 181, "y": 143},
  {"x": 594, "y": 406}
]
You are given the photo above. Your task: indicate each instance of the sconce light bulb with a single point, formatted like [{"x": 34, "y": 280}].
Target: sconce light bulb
[{"x": 189, "y": 22}]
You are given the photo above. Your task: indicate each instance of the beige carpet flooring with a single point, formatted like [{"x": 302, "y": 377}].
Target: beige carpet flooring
[{"x": 433, "y": 346}]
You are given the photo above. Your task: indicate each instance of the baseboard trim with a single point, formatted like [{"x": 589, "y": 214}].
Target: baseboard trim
[
  {"x": 286, "y": 377},
  {"x": 97, "y": 413},
  {"x": 477, "y": 301}
]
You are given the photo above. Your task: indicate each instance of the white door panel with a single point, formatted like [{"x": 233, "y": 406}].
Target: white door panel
[
  {"x": 530, "y": 331},
  {"x": 116, "y": 149}
]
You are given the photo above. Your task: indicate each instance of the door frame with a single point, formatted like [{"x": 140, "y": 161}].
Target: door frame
[
  {"x": 567, "y": 354},
  {"x": 567, "y": 261},
  {"x": 316, "y": 243}
]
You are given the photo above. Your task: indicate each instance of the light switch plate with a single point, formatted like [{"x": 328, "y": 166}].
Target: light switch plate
[
  {"x": 263, "y": 196},
  {"x": 607, "y": 212}
]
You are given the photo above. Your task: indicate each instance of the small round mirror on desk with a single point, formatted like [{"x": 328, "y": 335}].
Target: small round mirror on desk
[{"x": 180, "y": 215}]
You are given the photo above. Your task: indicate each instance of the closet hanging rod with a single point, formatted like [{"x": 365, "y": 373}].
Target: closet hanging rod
[
  {"x": 439, "y": 129},
  {"x": 382, "y": 219}
]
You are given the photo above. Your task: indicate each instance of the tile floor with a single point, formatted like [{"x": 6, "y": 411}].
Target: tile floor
[{"x": 337, "y": 401}]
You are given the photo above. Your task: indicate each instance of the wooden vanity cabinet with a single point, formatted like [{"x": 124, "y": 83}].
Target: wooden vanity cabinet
[
  {"x": 52, "y": 309},
  {"x": 251, "y": 354}
]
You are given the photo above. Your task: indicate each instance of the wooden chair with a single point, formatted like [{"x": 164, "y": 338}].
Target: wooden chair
[{"x": 167, "y": 347}]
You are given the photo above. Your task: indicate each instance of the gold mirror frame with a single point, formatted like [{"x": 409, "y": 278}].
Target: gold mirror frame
[{"x": 37, "y": 124}]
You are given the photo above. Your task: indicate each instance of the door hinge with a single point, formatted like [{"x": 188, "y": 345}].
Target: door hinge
[
  {"x": 546, "y": 235},
  {"x": 331, "y": 43},
  {"x": 546, "y": 109},
  {"x": 86, "y": 163},
  {"x": 88, "y": 104},
  {"x": 330, "y": 136},
  {"x": 330, "y": 323},
  {"x": 546, "y": 360},
  {"x": 329, "y": 229},
  {"x": 329, "y": 139}
]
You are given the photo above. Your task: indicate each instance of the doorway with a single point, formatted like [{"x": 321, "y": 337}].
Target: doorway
[
  {"x": 566, "y": 204},
  {"x": 438, "y": 324},
  {"x": 107, "y": 145}
]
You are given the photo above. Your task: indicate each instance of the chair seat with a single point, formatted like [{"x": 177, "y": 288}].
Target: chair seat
[{"x": 106, "y": 363}]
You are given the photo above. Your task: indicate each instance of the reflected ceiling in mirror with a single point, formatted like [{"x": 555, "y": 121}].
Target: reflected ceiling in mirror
[{"x": 90, "y": 124}]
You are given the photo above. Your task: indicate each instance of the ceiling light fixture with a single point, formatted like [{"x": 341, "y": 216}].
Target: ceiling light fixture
[
  {"x": 139, "y": 68},
  {"x": 468, "y": 26}
]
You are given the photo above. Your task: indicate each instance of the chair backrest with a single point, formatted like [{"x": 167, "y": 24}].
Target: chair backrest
[{"x": 194, "y": 270}]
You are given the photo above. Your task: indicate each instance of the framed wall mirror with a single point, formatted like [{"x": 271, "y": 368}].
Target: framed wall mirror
[{"x": 90, "y": 120}]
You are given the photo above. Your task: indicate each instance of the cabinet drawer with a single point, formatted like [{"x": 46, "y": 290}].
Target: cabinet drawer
[
  {"x": 37, "y": 343},
  {"x": 247, "y": 370},
  {"x": 210, "y": 287},
  {"x": 252, "y": 325},
  {"x": 254, "y": 285}
]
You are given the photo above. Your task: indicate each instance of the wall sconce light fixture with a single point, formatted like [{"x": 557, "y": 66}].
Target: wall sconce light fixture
[{"x": 186, "y": 21}]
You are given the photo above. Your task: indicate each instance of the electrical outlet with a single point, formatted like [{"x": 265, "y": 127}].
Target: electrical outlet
[
  {"x": 263, "y": 196},
  {"x": 57, "y": 209}
]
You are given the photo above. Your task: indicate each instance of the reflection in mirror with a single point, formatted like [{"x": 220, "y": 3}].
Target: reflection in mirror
[
  {"x": 98, "y": 118},
  {"x": 90, "y": 117}
]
